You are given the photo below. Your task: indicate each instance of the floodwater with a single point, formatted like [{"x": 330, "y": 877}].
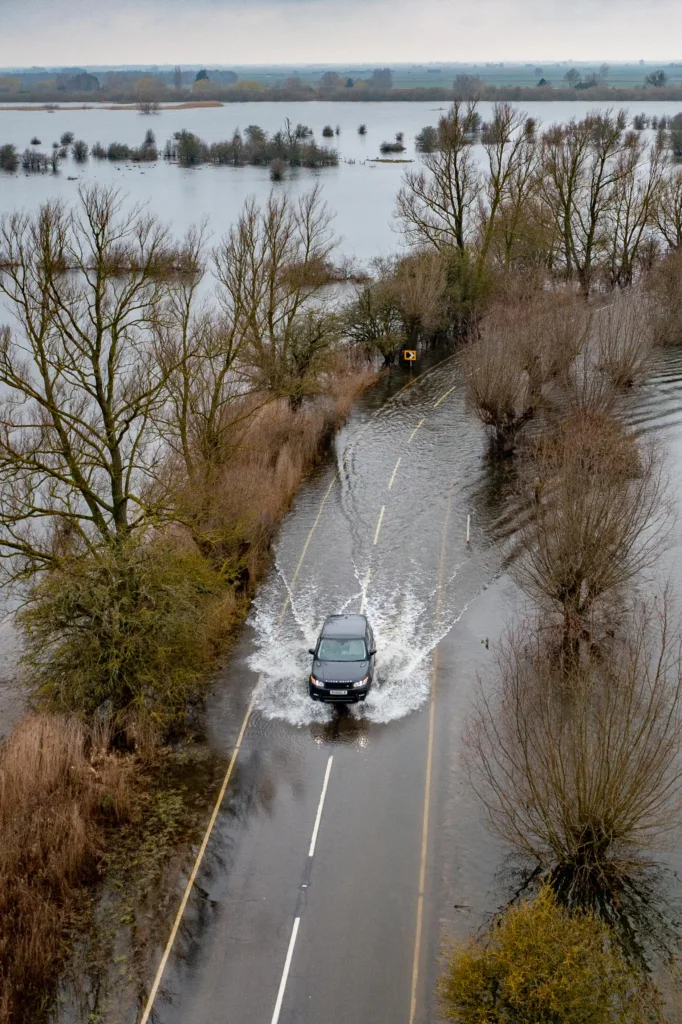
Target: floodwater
[
  {"x": 424, "y": 588},
  {"x": 374, "y": 530},
  {"x": 361, "y": 193}
]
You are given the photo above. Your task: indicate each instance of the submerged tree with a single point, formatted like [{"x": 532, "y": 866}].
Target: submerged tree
[
  {"x": 87, "y": 290},
  {"x": 598, "y": 518},
  {"x": 581, "y": 769}
]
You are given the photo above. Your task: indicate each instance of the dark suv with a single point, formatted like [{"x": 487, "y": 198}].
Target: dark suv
[{"x": 343, "y": 660}]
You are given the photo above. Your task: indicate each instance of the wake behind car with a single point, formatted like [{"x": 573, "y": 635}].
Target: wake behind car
[{"x": 343, "y": 660}]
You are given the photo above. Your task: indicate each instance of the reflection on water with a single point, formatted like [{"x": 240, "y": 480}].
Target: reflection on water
[
  {"x": 415, "y": 584},
  {"x": 361, "y": 193},
  {"x": 643, "y": 906}
]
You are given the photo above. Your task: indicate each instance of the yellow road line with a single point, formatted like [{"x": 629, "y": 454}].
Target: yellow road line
[
  {"x": 415, "y": 431},
  {"x": 427, "y": 782},
  {"x": 392, "y": 480},
  {"x": 442, "y": 397},
  {"x": 381, "y": 519},
  {"x": 195, "y": 869}
]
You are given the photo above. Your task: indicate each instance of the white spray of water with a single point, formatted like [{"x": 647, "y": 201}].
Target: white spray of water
[{"x": 405, "y": 629}]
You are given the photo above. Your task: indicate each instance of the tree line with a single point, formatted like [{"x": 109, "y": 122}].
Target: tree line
[{"x": 555, "y": 254}]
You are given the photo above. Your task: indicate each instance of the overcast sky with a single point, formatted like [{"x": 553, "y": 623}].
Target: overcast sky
[{"x": 63, "y": 32}]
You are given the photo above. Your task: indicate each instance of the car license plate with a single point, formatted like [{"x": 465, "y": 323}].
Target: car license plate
[{"x": 339, "y": 693}]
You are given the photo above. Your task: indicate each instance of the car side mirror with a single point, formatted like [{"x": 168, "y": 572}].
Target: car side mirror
[
  {"x": 311, "y": 650},
  {"x": 372, "y": 653}
]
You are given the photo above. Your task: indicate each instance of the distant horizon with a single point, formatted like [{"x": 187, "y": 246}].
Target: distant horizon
[
  {"x": 361, "y": 65},
  {"x": 358, "y": 32}
]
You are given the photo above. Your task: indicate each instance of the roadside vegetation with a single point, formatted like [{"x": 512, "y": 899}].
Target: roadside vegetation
[
  {"x": 162, "y": 400},
  {"x": 151, "y": 442},
  {"x": 564, "y": 251}
]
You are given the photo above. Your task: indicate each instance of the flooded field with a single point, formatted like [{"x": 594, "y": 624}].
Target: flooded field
[
  {"x": 382, "y": 525},
  {"x": 361, "y": 193}
]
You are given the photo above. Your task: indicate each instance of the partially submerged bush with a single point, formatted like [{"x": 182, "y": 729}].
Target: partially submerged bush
[
  {"x": 122, "y": 632},
  {"x": 664, "y": 287},
  {"x": 579, "y": 764},
  {"x": 599, "y": 517},
  {"x": 624, "y": 341},
  {"x": 80, "y": 151},
  {"x": 427, "y": 139},
  {"x": 9, "y": 158},
  {"x": 542, "y": 965}
]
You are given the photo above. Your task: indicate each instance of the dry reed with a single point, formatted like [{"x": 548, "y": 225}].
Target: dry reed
[{"x": 58, "y": 787}]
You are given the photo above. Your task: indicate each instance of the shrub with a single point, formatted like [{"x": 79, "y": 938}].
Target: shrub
[
  {"x": 66, "y": 139},
  {"x": 189, "y": 148},
  {"x": 427, "y": 139},
  {"x": 80, "y": 151},
  {"x": 35, "y": 141},
  {"x": 328, "y": 132},
  {"x": 118, "y": 151},
  {"x": 624, "y": 341},
  {"x": 664, "y": 285},
  {"x": 122, "y": 631},
  {"x": 392, "y": 147},
  {"x": 33, "y": 161},
  {"x": 577, "y": 760},
  {"x": 98, "y": 151},
  {"x": 362, "y": 129},
  {"x": 277, "y": 169},
  {"x": 9, "y": 158},
  {"x": 542, "y": 965}
]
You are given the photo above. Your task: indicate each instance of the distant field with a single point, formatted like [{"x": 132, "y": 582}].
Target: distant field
[{"x": 410, "y": 76}]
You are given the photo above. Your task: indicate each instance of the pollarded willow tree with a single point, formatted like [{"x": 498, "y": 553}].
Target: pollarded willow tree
[{"x": 87, "y": 290}]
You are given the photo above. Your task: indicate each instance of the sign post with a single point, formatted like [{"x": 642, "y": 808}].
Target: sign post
[{"x": 410, "y": 356}]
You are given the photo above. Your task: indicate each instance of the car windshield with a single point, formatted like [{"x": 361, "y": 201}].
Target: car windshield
[{"x": 342, "y": 650}]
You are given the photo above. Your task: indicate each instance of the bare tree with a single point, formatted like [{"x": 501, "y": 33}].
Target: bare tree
[
  {"x": 583, "y": 771},
  {"x": 579, "y": 170},
  {"x": 280, "y": 251},
  {"x": 81, "y": 381},
  {"x": 436, "y": 205},
  {"x": 636, "y": 197},
  {"x": 510, "y": 144},
  {"x": 599, "y": 518},
  {"x": 668, "y": 211}
]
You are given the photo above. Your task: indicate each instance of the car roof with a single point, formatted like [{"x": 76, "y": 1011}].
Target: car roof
[{"x": 345, "y": 626}]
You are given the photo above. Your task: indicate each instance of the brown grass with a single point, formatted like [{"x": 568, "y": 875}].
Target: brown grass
[
  {"x": 244, "y": 499},
  {"x": 58, "y": 786}
]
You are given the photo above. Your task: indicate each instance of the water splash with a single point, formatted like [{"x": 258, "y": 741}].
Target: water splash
[{"x": 406, "y": 629}]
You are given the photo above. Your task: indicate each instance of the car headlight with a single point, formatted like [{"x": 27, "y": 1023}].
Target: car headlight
[
  {"x": 362, "y": 682},
  {"x": 315, "y": 682}
]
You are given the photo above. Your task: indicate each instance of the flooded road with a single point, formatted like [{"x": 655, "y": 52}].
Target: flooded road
[
  {"x": 349, "y": 847},
  {"x": 382, "y": 526}
]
